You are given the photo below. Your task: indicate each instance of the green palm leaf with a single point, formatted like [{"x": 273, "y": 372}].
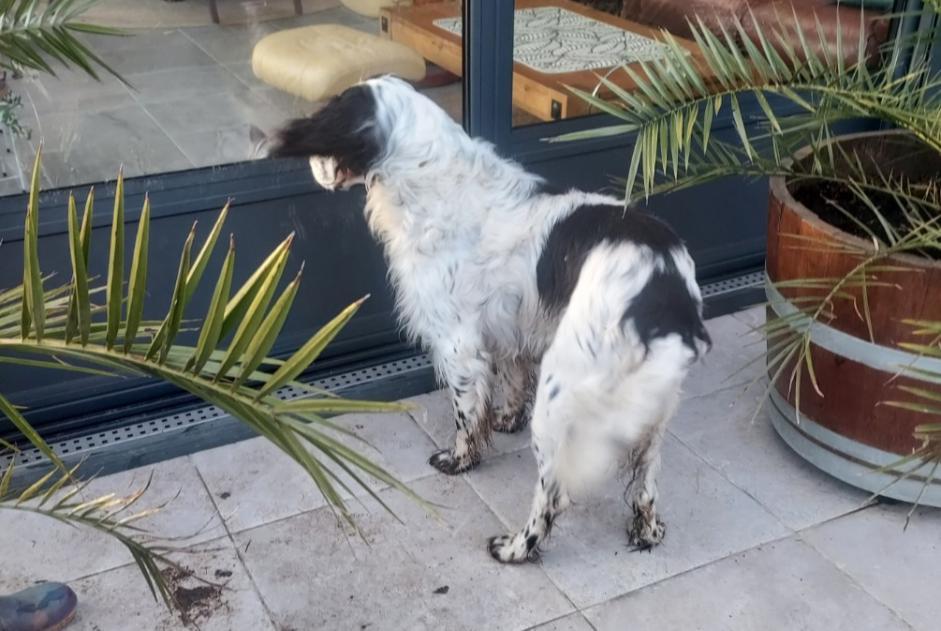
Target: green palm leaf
[
  {"x": 60, "y": 496},
  {"x": 237, "y": 378},
  {"x": 674, "y": 95},
  {"x": 35, "y": 32}
]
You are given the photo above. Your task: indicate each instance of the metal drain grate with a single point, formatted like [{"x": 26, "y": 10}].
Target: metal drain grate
[
  {"x": 75, "y": 448},
  {"x": 747, "y": 281}
]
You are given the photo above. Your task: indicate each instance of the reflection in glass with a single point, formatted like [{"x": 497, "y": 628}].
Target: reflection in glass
[
  {"x": 202, "y": 74},
  {"x": 560, "y": 43}
]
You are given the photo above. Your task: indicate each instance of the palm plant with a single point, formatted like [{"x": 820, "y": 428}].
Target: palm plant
[
  {"x": 672, "y": 111},
  {"x": 61, "y": 328},
  {"x": 34, "y": 34}
]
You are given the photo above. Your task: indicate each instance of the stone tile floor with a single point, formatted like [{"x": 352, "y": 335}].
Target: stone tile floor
[
  {"x": 193, "y": 99},
  {"x": 756, "y": 538}
]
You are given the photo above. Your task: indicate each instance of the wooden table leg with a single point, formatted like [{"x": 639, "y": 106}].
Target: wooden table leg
[{"x": 213, "y": 12}]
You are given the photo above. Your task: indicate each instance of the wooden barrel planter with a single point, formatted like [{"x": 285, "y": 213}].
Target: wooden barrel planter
[{"x": 848, "y": 432}]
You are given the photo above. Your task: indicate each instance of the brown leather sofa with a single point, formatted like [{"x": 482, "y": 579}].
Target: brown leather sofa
[{"x": 772, "y": 16}]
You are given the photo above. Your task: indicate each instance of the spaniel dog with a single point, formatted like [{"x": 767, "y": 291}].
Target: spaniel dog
[{"x": 563, "y": 307}]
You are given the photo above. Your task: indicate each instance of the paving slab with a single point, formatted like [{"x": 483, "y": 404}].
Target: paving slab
[
  {"x": 180, "y": 117},
  {"x": 571, "y": 622},
  {"x": 182, "y": 83},
  {"x": 731, "y": 362},
  {"x": 731, "y": 431},
  {"x": 588, "y": 555},
  {"x": 423, "y": 573},
  {"x": 901, "y": 567},
  {"x": 49, "y": 550},
  {"x": 253, "y": 482},
  {"x": 782, "y": 585},
  {"x": 119, "y": 600}
]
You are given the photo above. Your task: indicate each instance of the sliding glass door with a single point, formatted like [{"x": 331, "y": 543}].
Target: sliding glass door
[{"x": 195, "y": 87}]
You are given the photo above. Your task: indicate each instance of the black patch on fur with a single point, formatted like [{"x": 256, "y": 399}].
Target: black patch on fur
[
  {"x": 531, "y": 542},
  {"x": 664, "y": 306},
  {"x": 571, "y": 240},
  {"x": 344, "y": 129}
]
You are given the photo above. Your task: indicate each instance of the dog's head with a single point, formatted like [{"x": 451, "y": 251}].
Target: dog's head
[
  {"x": 342, "y": 140},
  {"x": 358, "y": 130}
]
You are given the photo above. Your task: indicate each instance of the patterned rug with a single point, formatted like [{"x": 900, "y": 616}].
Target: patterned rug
[{"x": 552, "y": 40}]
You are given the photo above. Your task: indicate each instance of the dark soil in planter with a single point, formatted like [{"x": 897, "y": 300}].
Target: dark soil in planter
[
  {"x": 895, "y": 155},
  {"x": 608, "y": 6}
]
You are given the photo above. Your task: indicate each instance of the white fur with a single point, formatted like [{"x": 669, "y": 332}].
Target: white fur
[{"x": 463, "y": 230}]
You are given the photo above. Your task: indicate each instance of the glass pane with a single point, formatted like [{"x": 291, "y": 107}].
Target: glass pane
[
  {"x": 570, "y": 42},
  {"x": 201, "y": 75}
]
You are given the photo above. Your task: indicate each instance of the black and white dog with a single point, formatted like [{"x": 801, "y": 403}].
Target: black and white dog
[{"x": 512, "y": 289}]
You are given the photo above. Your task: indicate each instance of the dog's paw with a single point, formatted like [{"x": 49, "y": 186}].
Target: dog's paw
[
  {"x": 446, "y": 462},
  {"x": 645, "y": 532},
  {"x": 510, "y": 423},
  {"x": 509, "y": 549}
]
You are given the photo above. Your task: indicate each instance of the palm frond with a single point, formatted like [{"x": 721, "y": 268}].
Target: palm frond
[
  {"x": 676, "y": 102},
  {"x": 35, "y": 32},
  {"x": 60, "y": 326},
  {"x": 924, "y": 401},
  {"x": 61, "y": 496}
]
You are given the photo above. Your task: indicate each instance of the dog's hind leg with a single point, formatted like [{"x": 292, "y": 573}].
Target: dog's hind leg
[
  {"x": 645, "y": 529},
  {"x": 513, "y": 386},
  {"x": 550, "y": 497},
  {"x": 467, "y": 369},
  {"x": 555, "y": 412}
]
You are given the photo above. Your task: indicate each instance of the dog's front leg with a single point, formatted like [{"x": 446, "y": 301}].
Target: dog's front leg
[
  {"x": 512, "y": 403},
  {"x": 466, "y": 367}
]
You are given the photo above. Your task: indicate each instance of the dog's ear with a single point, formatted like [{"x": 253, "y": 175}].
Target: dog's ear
[
  {"x": 300, "y": 138},
  {"x": 288, "y": 142},
  {"x": 345, "y": 129}
]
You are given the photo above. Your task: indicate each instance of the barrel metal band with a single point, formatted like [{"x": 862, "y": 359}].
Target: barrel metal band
[
  {"x": 884, "y": 358},
  {"x": 862, "y": 466}
]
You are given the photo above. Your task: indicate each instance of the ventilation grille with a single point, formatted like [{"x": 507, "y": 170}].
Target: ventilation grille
[
  {"x": 77, "y": 447},
  {"x": 748, "y": 281}
]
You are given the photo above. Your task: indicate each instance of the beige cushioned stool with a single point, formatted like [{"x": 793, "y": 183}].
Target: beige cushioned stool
[{"x": 317, "y": 62}]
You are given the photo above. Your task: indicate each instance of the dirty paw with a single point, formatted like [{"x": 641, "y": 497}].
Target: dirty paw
[
  {"x": 510, "y": 424},
  {"x": 446, "y": 462},
  {"x": 645, "y": 532},
  {"x": 508, "y": 549}
]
